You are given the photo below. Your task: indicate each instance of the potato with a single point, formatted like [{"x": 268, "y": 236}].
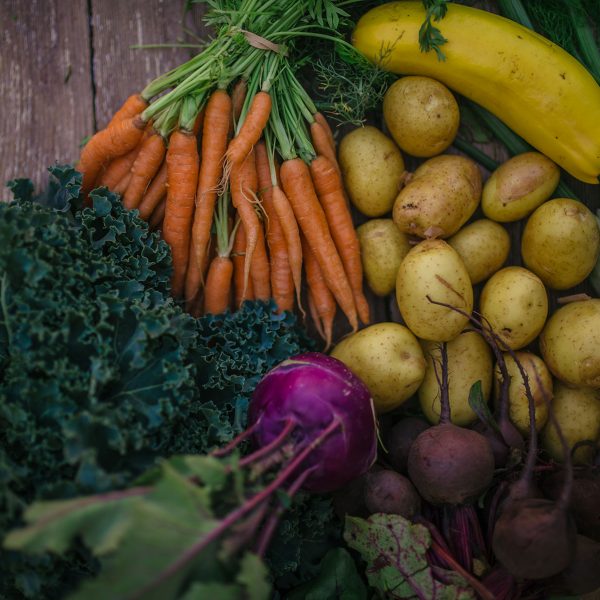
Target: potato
[
  {"x": 469, "y": 361},
  {"x": 570, "y": 343},
  {"x": 388, "y": 358},
  {"x": 540, "y": 384},
  {"x": 518, "y": 186},
  {"x": 515, "y": 302},
  {"x": 433, "y": 268},
  {"x": 483, "y": 246},
  {"x": 561, "y": 243},
  {"x": 577, "y": 411},
  {"x": 382, "y": 248},
  {"x": 373, "y": 170},
  {"x": 421, "y": 114},
  {"x": 439, "y": 198}
]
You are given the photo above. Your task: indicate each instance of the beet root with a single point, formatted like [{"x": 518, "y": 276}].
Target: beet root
[
  {"x": 582, "y": 576},
  {"x": 533, "y": 538},
  {"x": 391, "y": 493},
  {"x": 401, "y": 438},
  {"x": 499, "y": 448},
  {"x": 450, "y": 464}
]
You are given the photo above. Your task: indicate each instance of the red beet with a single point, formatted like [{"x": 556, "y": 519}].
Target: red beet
[
  {"x": 401, "y": 438},
  {"x": 391, "y": 493},
  {"x": 582, "y": 576}
]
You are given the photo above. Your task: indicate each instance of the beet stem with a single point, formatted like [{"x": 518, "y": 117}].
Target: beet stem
[
  {"x": 236, "y": 441},
  {"x": 272, "y": 522},
  {"x": 290, "y": 424},
  {"x": 444, "y": 387}
]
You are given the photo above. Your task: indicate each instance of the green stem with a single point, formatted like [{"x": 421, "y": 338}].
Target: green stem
[
  {"x": 514, "y": 10},
  {"x": 585, "y": 37}
]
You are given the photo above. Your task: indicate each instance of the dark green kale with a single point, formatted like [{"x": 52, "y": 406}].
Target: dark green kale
[{"x": 101, "y": 373}]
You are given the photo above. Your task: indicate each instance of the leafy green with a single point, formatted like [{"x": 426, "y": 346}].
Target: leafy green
[
  {"x": 101, "y": 373},
  {"x": 337, "y": 578},
  {"x": 180, "y": 525},
  {"x": 395, "y": 552},
  {"x": 430, "y": 37}
]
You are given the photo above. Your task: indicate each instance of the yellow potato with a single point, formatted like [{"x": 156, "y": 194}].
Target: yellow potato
[
  {"x": 570, "y": 343},
  {"x": 515, "y": 302},
  {"x": 421, "y": 114},
  {"x": 373, "y": 170},
  {"x": 382, "y": 248},
  {"x": 518, "y": 186},
  {"x": 540, "y": 385},
  {"x": 439, "y": 198},
  {"x": 577, "y": 411},
  {"x": 469, "y": 361},
  {"x": 388, "y": 358},
  {"x": 561, "y": 243},
  {"x": 433, "y": 268},
  {"x": 483, "y": 246}
]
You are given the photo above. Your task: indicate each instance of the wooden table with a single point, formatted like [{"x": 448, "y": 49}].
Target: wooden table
[{"x": 67, "y": 65}]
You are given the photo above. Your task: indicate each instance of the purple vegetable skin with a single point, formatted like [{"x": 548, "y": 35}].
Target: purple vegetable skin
[{"x": 321, "y": 403}]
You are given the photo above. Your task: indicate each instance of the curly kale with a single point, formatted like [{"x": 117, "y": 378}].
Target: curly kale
[{"x": 101, "y": 373}]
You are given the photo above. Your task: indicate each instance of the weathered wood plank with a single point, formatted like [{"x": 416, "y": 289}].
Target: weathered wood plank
[
  {"x": 120, "y": 70},
  {"x": 45, "y": 85}
]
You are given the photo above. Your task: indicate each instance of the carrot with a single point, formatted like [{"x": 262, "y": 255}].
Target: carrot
[
  {"x": 323, "y": 299},
  {"x": 314, "y": 315},
  {"x": 158, "y": 215},
  {"x": 116, "y": 140},
  {"x": 322, "y": 121},
  {"x": 251, "y": 129},
  {"x": 298, "y": 186},
  {"x": 198, "y": 123},
  {"x": 117, "y": 169},
  {"x": 322, "y": 144},
  {"x": 194, "y": 278},
  {"x": 282, "y": 283},
  {"x": 214, "y": 143},
  {"x": 218, "y": 285},
  {"x": 133, "y": 106},
  {"x": 238, "y": 256},
  {"x": 238, "y": 96},
  {"x": 182, "y": 179},
  {"x": 144, "y": 168},
  {"x": 244, "y": 186},
  {"x": 330, "y": 192},
  {"x": 156, "y": 191},
  {"x": 260, "y": 271},
  {"x": 121, "y": 187},
  {"x": 291, "y": 233}
]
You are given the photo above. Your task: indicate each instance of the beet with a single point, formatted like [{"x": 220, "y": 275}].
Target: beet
[
  {"x": 499, "y": 448},
  {"x": 400, "y": 439},
  {"x": 450, "y": 464},
  {"x": 584, "y": 502},
  {"x": 389, "y": 492},
  {"x": 534, "y": 538},
  {"x": 582, "y": 576}
]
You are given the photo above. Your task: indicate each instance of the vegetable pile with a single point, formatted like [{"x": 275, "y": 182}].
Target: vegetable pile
[{"x": 230, "y": 157}]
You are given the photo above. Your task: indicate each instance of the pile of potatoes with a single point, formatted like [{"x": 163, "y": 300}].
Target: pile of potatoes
[{"x": 435, "y": 234}]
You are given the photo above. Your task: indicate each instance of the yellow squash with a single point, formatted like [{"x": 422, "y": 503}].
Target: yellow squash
[{"x": 540, "y": 91}]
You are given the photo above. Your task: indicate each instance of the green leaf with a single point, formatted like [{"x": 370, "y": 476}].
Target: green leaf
[
  {"x": 395, "y": 552},
  {"x": 254, "y": 576},
  {"x": 337, "y": 578},
  {"x": 480, "y": 407}
]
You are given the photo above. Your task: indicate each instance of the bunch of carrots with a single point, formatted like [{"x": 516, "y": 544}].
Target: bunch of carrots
[{"x": 238, "y": 169}]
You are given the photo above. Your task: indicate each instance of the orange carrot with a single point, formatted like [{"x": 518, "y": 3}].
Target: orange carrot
[
  {"x": 330, "y": 191},
  {"x": 244, "y": 185},
  {"x": 298, "y": 186},
  {"x": 238, "y": 256},
  {"x": 121, "y": 187},
  {"x": 155, "y": 193},
  {"x": 117, "y": 169},
  {"x": 194, "y": 278},
  {"x": 133, "y": 106},
  {"x": 105, "y": 145},
  {"x": 238, "y": 96},
  {"x": 214, "y": 143},
  {"x": 198, "y": 123},
  {"x": 251, "y": 129},
  {"x": 260, "y": 271},
  {"x": 158, "y": 215},
  {"x": 218, "y": 285},
  {"x": 182, "y": 179},
  {"x": 323, "y": 299},
  {"x": 322, "y": 144},
  {"x": 322, "y": 121},
  {"x": 144, "y": 168},
  {"x": 314, "y": 315},
  {"x": 282, "y": 283}
]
